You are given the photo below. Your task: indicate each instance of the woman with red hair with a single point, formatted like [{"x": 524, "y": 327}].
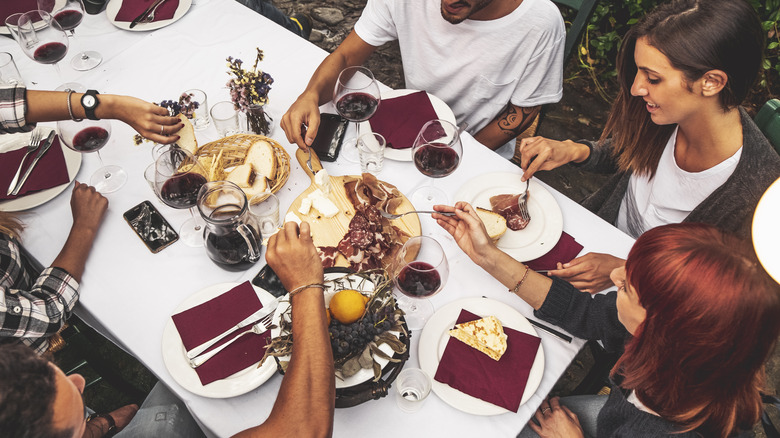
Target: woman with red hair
[{"x": 695, "y": 315}]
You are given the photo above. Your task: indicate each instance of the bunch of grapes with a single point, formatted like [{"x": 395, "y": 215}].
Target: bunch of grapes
[{"x": 346, "y": 339}]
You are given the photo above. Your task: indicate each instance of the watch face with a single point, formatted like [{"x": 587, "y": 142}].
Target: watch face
[{"x": 88, "y": 100}]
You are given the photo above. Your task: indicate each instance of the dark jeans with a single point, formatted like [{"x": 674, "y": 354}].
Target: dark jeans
[{"x": 271, "y": 12}]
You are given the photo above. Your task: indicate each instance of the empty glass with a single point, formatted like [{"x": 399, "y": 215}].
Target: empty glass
[
  {"x": 200, "y": 112},
  {"x": 412, "y": 387},
  {"x": 9, "y": 74},
  {"x": 225, "y": 118},
  {"x": 371, "y": 148},
  {"x": 265, "y": 209}
]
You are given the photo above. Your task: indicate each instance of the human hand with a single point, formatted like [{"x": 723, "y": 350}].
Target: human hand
[
  {"x": 466, "y": 228},
  {"x": 87, "y": 206},
  {"x": 293, "y": 256},
  {"x": 589, "y": 273},
  {"x": 556, "y": 421},
  {"x": 149, "y": 120},
  {"x": 123, "y": 415},
  {"x": 539, "y": 153},
  {"x": 302, "y": 121}
]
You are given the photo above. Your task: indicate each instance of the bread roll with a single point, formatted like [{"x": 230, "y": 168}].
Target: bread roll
[{"x": 187, "y": 139}]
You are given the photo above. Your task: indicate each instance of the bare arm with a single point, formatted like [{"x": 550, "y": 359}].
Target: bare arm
[
  {"x": 146, "y": 118},
  {"x": 508, "y": 124},
  {"x": 306, "y": 400},
  {"x": 305, "y": 110}
]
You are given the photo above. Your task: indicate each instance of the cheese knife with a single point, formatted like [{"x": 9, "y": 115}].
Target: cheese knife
[{"x": 43, "y": 149}]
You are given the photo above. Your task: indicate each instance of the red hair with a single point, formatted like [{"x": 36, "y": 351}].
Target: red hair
[{"x": 713, "y": 316}]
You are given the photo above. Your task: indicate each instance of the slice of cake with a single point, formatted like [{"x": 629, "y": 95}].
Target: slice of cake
[{"x": 486, "y": 335}]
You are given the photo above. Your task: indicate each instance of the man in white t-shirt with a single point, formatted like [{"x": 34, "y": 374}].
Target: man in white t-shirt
[{"x": 494, "y": 62}]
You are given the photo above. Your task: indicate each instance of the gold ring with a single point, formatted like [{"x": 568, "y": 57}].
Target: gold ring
[{"x": 544, "y": 411}]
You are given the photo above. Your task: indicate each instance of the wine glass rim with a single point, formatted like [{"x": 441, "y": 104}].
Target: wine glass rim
[
  {"x": 176, "y": 171},
  {"x": 371, "y": 80},
  {"x": 435, "y": 266}
]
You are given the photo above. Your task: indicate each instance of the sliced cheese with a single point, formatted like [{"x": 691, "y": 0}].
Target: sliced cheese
[
  {"x": 322, "y": 180},
  {"x": 292, "y": 217},
  {"x": 486, "y": 335},
  {"x": 305, "y": 206},
  {"x": 321, "y": 203}
]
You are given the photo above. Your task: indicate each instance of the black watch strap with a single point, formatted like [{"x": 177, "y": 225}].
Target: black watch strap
[
  {"x": 89, "y": 101},
  {"x": 109, "y": 419}
]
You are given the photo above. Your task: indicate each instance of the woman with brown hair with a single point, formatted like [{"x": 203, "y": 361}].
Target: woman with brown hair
[
  {"x": 695, "y": 317},
  {"x": 682, "y": 148}
]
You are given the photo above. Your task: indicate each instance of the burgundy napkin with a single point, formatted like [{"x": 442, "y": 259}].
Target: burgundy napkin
[
  {"x": 212, "y": 318},
  {"x": 564, "y": 251},
  {"x": 400, "y": 119},
  {"x": 131, "y": 9},
  {"x": 499, "y": 382},
  {"x": 50, "y": 171},
  {"x": 10, "y": 7}
]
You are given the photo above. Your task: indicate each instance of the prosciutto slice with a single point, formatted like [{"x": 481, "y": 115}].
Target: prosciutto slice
[{"x": 506, "y": 206}]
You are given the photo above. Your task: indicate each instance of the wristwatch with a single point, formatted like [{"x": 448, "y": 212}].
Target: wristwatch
[
  {"x": 111, "y": 424},
  {"x": 90, "y": 101}
]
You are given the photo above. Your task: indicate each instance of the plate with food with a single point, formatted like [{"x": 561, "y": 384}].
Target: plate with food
[
  {"x": 435, "y": 336},
  {"x": 443, "y": 112},
  {"x": 174, "y": 353},
  {"x": 26, "y": 202},
  {"x": 367, "y": 330},
  {"x": 114, "y": 6},
  {"x": 345, "y": 219},
  {"x": 489, "y": 192}
]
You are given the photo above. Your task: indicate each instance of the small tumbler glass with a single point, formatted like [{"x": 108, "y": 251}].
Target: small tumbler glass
[
  {"x": 200, "y": 117},
  {"x": 371, "y": 147},
  {"x": 412, "y": 387},
  {"x": 225, "y": 118},
  {"x": 265, "y": 208},
  {"x": 9, "y": 74}
]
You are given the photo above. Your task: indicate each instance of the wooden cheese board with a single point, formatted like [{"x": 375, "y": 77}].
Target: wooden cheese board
[{"x": 329, "y": 231}]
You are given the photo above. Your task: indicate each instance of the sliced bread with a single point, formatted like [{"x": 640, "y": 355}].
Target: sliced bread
[
  {"x": 494, "y": 223},
  {"x": 261, "y": 156},
  {"x": 248, "y": 179},
  {"x": 186, "y": 135}
]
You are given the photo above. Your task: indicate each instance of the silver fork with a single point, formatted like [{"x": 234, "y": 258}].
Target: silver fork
[
  {"x": 396, "y": 216},
  {"x": 35, "y": 141},
  {"x": 522, "y": 203},
  {"x": 149, "y": 18},
  {"x": 257, "y": 328}
]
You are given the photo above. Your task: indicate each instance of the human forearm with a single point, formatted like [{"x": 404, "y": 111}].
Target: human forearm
[
  {"x": 510, "y": 272},
  {"x": 508, "y": 124},
  {"x": 73, "y": 256}
]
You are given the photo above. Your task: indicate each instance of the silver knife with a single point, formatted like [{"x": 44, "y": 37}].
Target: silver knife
[
  {"x": 43, "y": 149},
  {"x": 260, "y": 314},
  {"x": 145, "y": 13}
]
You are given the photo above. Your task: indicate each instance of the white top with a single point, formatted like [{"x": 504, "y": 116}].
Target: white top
[
  {"x": 477, "y": 67},
  {"x": 672, "y": 194}
]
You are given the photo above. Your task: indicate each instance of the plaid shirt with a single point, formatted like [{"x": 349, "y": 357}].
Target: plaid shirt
[
  {"x": 13, "y": 107},
  {"x": 32, "y": 307}
]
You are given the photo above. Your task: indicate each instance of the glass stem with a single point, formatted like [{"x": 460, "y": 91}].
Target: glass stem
[
  {"x": 107, "y": 174},
  {"x": 192, "y": 213}
]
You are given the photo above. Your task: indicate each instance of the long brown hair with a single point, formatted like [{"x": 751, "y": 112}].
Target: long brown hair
[
  {"x": 712, "y": 320},
  {"x": 696, "y": 36},
  {"x": 10, "y": 224}
]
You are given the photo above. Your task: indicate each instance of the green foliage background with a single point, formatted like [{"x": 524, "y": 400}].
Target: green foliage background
[{"x": 611, "y": 19}]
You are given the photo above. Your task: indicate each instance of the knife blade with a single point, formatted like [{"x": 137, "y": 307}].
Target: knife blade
[
  {"x": 249, "y": 320},
  {"x": 145, "y": 13},
  {"x": 43, "y": 149}
]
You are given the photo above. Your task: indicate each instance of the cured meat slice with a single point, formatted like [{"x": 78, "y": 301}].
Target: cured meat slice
[
  {"x": 506, "y": 206},
  {"x": 328, "y": 255}
]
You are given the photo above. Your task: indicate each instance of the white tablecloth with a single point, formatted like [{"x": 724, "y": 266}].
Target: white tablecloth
[{"x": 129, "y": 293}]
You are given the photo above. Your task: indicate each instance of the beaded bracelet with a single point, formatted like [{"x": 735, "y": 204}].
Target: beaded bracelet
[
  {"x": 70, "y": 109},
  {"x": 298, "y": 289},
  {"x": 520, "y": 283}
]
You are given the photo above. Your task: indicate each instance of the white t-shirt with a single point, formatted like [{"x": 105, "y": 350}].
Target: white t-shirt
[
  {"x": 477, "y": 67},
  {"x": 672, "y": 194}
]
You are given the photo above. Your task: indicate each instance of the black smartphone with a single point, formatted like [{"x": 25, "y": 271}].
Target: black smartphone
[
  {"x": 150, "y": 226},
  {"x": 268, "y": 280},
  {"x": 330, "y": 135}
]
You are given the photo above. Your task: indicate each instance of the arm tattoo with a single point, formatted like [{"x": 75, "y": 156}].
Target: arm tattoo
[{"x": 512, "y": 123}]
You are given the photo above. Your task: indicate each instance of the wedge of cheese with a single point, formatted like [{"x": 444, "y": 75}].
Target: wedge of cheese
[{"x": 486, "y": 335}]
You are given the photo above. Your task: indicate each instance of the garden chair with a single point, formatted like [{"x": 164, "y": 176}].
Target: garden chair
[{"x": 768, "y": 121}]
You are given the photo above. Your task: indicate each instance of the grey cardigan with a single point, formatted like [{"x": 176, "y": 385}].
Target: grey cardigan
[{"x": 730, "y": 207}]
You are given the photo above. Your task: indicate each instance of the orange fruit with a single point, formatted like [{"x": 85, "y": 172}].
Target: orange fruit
[
  {"x": 348, "y": 305},
  {"x": 327, "y": 315}
]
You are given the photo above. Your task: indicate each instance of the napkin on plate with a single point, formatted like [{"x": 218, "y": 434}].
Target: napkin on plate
[
  {"x": 399, "y": 119},
  {"x": 8, "y": 8},
  {"x": 501, "y": 382},
  {"x": 564, "y": 251},
  {"x": 131, "y": 9},
  {"x": 50, "y": 171},
  {"x": 212, "y": 318}
]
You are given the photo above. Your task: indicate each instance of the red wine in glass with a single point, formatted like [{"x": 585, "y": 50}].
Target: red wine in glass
[
  {"x": 419, "y": 279},
  {"x": 69, "y": 15},
  {"x": 181, "y": 191},
  {"x": 50, "y": 53},
  {"x": 357, "y": 107},
  {"x": 436, "y": 160},
  {"x": 68, "y": 18},
  {"x": 90, "y": 139}
]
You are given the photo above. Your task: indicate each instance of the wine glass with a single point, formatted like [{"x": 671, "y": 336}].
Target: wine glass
[
  {"x": 356, "y": 97},
  {"x": 69, "y": 15},
  {"x": 40, "y": 36},
  {"x": 419, "y": 272},
  {"x": 90, "y": 136},
  {"x": 178, "y": 178},
  {"x": 437, "y": 152}
]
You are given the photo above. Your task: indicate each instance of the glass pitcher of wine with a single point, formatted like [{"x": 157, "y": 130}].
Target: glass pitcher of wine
[{"x": 232, "y": 238}]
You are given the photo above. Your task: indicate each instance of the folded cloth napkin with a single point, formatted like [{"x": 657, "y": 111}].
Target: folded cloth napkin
[
  {"x": 564, "y": 251},
  {"x": 8, "y": 8},
  {"x": 50, "y": 171},
  {"x": 131, "y": 9},
  {"x": 212, "y": 318},
  {"x": 499, "y": 382},
  {"x": 400, "y": 119}
]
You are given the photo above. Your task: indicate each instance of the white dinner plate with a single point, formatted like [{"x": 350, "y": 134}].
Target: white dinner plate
[
  {"x": 442, "y": 110},
  {"x": 114, "y": 5},
  {"x": 546, "y": 226},
  {"x": 360, "y": 285},
  {"x": 174, "y": 354},
  {"x": 26, "y": 202},
  {"x": 435, "y": 336}
]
